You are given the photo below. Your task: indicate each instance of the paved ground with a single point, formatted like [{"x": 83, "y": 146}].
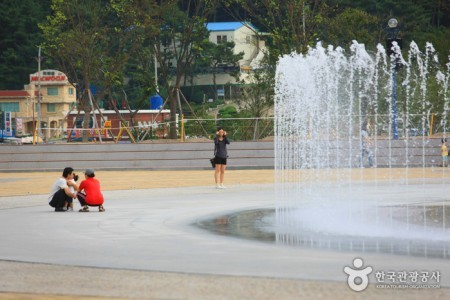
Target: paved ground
[{"x": 145, "y": 246}]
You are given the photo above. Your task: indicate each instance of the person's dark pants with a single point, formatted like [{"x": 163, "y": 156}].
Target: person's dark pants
[
  {"x": 59, "y": 199},
  {"x": 82, "y": 198},
  {"x": 368, "y": 153}
]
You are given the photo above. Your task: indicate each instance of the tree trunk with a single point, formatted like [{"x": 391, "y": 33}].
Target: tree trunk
[
  {"x": 173, "y": 113},
  {"x": 87, "y": 116}
]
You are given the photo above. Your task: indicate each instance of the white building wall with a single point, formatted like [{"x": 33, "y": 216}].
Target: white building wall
[{"x": 245, "y": 41}]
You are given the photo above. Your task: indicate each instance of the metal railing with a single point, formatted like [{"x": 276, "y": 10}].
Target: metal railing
[{"x": 253, "y": 129}]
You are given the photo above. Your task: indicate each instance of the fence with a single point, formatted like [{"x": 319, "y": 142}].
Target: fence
[{"x": 253, "y": 129}]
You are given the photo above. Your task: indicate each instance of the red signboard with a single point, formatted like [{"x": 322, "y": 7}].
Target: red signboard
[{"x": 49, "y": 78}]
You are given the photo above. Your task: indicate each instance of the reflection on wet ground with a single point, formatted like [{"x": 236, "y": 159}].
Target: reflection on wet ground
[
  {"x": 259, "y": 225},
  {"x": 249, "y": 224}
]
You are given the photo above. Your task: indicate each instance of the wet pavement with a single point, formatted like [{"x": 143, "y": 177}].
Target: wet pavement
[{"x": 145, "y": 246}]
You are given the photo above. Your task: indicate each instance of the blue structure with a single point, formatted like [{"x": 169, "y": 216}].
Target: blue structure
[
  {"x": 156, "y": 102},
  {"x": 228, "y": 26},
  {"x": 94, "y": 89}
]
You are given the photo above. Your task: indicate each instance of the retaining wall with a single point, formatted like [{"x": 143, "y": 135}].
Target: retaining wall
[{"x": 190, "y": 155}]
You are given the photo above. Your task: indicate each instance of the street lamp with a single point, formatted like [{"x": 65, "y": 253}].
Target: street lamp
[{"x": 393, "y": 31}]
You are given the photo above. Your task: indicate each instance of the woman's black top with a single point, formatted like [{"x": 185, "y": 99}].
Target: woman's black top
[{"x": 221, "y": 147}]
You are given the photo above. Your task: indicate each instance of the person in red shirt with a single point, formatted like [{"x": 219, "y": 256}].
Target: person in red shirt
[{"x": 89, "y": 192}]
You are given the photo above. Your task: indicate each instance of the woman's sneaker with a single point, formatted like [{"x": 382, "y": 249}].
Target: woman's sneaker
[
  {"x": 101, "y": 208},
  {"x": 84, "y": 209}
]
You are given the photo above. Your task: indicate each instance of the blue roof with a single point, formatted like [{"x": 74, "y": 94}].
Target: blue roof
[{"x": 228, "y": 26}]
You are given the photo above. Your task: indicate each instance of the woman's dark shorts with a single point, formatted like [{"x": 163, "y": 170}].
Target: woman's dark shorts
[{"x": 220, "y": 161}]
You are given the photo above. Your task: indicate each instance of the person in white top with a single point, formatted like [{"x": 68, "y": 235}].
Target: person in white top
[{"x": 63, "y": 192}]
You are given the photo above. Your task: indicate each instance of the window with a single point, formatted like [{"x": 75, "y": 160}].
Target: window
[
  {"x": 52, "y": 91},
  {"x": 71, "y": 92},
  {"x": 221, "y": 39},
  {"x": 9, "y": 106},
  {"x": 51, "y": 107},
  {"x": 79, "y": 122},
  {"x": 48, "y": 73}
]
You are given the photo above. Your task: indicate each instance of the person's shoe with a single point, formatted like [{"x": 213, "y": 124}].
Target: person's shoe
[
  {"x": 218, "y": 186},
  {"x": 222, "y": 186},
  {"x": 60, "y": 209},
  {"x": 84, "y": 209},
  {"x": 70, "y": 209},
  {"x": 101, "y": 208}
]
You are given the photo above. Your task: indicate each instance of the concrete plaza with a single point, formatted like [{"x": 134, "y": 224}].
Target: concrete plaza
[{"x": 145, "y": 245}]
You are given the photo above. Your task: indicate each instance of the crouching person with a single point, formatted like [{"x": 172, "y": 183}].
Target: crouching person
[
  {"x": 90, "y": 194},
  {"x": 62, "y": 192}
]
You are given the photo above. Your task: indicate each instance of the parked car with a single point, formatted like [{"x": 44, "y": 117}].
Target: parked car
[
  {"x": 28, "y": 139},
  {"x": 12, "y": 140}
]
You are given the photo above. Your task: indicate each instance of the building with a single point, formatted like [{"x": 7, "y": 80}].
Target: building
[
  {"x": 246, "y": 39},
  {"x": 58, "y": 97},
  {"x": 243, "y": 34}
]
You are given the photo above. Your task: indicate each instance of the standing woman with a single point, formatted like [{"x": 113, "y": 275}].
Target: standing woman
[{"x": 220, "y": 156}]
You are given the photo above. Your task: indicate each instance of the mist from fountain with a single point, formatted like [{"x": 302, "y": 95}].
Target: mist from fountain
[{"x": 323, "y": 101}]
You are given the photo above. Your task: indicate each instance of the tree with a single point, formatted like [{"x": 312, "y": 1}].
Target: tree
[
  {"x": 221, "y": 56},
  {"x": 20, "y": 38},
  {"x": 93, "y": 40},
  {"x": 291, "y": 24},
  {"x": 351, "y": 24},
  {"x": 74, "y": 35},
  {"x": 416, "y": 18},
  {"x": 181, "y": 38},
  {"x": 258, "y": 97}
]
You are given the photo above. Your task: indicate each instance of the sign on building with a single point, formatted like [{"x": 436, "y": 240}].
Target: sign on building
[
  {"x": 221, "y": 92},
  {"x": 19, "y": 126},
  {"x": 6, "y": 124}
]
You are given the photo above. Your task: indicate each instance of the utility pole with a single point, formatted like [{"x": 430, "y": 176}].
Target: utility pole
[
  {"x": 39, "y": 132},
  {"x": 156, "y": 74}
]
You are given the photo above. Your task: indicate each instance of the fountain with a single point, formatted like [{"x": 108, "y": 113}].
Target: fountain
[
  {"x": 334, "y": 110},
  {"x": 328, "y": 102}
]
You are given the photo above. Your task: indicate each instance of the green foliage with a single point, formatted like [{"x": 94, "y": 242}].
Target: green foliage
[
  {"x": 92, "y": 41},
  {"x": 351, "y": 24},
  {"x": 292, "y": 24},
  {"x": 74, "y": 35},
  {"x": 227, "y": 112},
  {"x": 20, "y": 38},
  {"x": 417, "y": 19},
  {"x": 180, "y": 40},
  {"x": 197, "y": 128},
  {"x": 258, "y": 98}
]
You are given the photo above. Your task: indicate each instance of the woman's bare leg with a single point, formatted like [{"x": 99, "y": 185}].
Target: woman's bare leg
[
  {"x": 216, "y": 174},
  {"x": 222, "y": 173}
]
